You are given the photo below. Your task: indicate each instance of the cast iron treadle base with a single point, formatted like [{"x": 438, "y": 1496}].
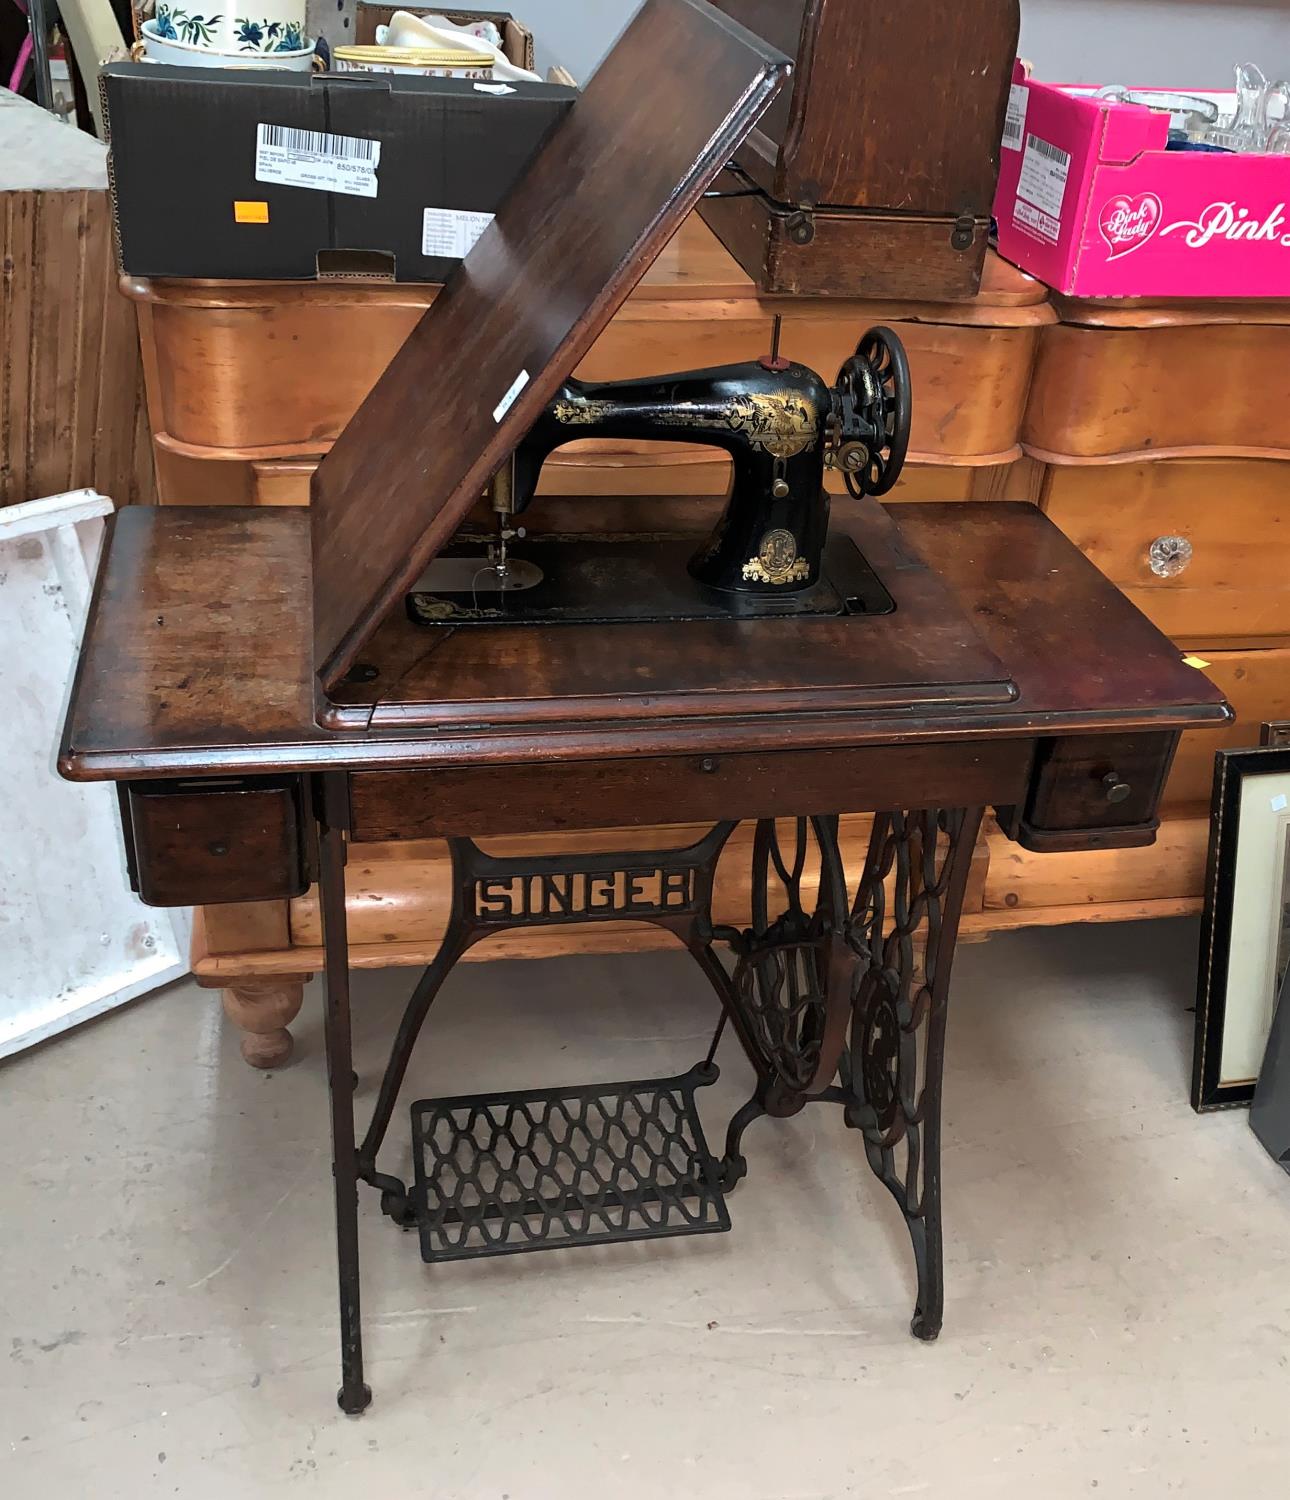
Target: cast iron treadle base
[{"x": 545, "y": 1168}]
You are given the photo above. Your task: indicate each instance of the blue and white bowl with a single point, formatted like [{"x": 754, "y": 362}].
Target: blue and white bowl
[
  {"x": 159, "y": 48},
  {"x": 267, "y": 26}
]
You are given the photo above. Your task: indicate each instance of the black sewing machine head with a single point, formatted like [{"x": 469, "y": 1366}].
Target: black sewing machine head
[{"x": 769, "y": 553}]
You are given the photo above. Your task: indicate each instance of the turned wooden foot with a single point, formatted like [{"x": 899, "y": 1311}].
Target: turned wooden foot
[{"x": 263, "y": 1009}]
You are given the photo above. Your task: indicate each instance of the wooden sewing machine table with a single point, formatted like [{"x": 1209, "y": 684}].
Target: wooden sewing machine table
[
  {"x": 213, "y": 607},
  {"x": 252, "y": 682}
]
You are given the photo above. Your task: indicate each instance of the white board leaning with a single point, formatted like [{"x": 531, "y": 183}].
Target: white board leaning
[{"x": 74, "y": 940}]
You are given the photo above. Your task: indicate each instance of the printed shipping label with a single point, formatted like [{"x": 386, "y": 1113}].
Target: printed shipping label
[
  {"x": 1030, "y": 217},
  {"x": 1014, "y": 127},
  {"x": 317, "y": 159},
  {"x": 451, "y": 232},
  {"x": 1044, "y": 170}
]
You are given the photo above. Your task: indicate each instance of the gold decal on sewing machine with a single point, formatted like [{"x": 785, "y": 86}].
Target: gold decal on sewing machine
[
  {"x": 582, "y": 413},
  {"x": 777, "y": 560},
  {"x": 778, "y": 423},
  {"x": 783, "y": 425},
  {"x": 584, "y": 895}
]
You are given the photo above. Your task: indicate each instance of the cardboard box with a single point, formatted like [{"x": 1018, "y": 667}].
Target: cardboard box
[
  {"x": 1091, "y": 202},
  {"x": 276, "y": 175}
]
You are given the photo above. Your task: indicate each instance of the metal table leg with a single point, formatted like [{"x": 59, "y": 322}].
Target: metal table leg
[
  {"x": 904, "y": 928},
  {"x": 806, "y": 971},
  {"x": 898, "y": 947},
  {"x": 332, "y": 800}
]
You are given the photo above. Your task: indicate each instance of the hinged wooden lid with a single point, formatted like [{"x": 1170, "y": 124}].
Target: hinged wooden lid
[
  {"x": 601, "y": 199},
  {"x": 898, "y": 108}
]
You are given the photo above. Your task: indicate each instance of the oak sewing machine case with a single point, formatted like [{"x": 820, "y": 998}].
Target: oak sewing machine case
[
  {"x": 270, "y": 688},
  {"x": 873, "y": 173}
]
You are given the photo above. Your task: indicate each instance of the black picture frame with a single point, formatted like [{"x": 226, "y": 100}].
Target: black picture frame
[{"x": 1233, "y": 769}]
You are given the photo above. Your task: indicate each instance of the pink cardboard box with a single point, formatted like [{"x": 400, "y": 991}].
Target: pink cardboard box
[{"x": 1092, "y": 203}]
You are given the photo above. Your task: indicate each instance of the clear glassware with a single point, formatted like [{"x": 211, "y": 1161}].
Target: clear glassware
[
  {"x": 1261, "y": 121},
  {"x": 1250, "y": 124},
  {"x": 1221, "y": 137},
  {"x": 1250, "y": 128},
  {"x": 1275, "y": 120},
  {"x": 1187, "y": 112}
]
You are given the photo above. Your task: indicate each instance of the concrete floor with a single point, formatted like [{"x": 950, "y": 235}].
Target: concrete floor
[{"x": 1119, "y": 1270}]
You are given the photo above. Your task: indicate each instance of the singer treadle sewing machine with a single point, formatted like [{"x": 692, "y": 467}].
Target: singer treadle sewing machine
[
  {"x": 270, "y": 688},
  {"x": 769, "y": 554}
]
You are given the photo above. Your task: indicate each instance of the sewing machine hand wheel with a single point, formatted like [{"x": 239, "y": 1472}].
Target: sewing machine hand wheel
[{"x": 871, "y": 414}]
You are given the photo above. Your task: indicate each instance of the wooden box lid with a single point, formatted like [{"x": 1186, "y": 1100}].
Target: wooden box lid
[
  {"x": 893, "y": 107},
  {"x": 601, "y": 199}
]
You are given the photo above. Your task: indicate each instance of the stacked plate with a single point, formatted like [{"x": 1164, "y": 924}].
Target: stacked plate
[{"x": 272, "y": 37}]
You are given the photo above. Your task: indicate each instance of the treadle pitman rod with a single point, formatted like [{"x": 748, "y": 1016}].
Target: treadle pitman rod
[{"x": 832, "y": 1001}]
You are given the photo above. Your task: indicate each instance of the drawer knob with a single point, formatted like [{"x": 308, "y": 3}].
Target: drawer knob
[
  {"x": 217, "y": 847},
  {"x": 708, "y": 764},
  {"x": 1169, "y": 556},
  {"x": 1116, "y": 790}
]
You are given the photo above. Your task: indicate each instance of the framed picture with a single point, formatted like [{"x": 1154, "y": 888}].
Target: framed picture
[{"x": 1245, "y": 938}]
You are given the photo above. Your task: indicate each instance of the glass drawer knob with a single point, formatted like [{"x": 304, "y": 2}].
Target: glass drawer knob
[{"x": 1169, "y": 556}]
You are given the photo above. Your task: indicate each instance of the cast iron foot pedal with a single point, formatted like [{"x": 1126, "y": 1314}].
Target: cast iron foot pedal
[{"x": 545, "y": 1168}]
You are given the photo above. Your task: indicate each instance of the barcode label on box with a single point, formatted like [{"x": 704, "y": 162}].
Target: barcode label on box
[
  {"x": 1044, "y": 170},
  {"x": 1030, "y": 217},
  {"x": 1051, "y": 152},
  {"x": 1014, "y": 127},
  {"x": 451, "y": 233},
  {"x": 317, "y": 159}
]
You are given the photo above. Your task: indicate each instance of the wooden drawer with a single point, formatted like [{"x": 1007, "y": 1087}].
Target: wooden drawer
[
  {"x": 1173, "y": 390},
  {"x": 275, "y": 371},
  {"x": 653, "y": 469},
  {"x": 1257, "y": 685},
  {"x": 647, "y": 470},
  {"x": 1093, "y": 792},
  {"x": 207, "y": 480},
  {"x": 392, "y": 805},
  {"x": 398, "y": 895},
  {"x": 1232, "y": 513},
  {"x": 1119, "y": 883},
  {"x": 206, "y": 842},
  {"x": 970, "y": 382}
]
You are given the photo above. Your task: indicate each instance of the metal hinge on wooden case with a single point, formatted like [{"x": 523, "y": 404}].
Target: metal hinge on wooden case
[
  {"x": 800, "y": 226},
  {"x": 964, "y": 232}
]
